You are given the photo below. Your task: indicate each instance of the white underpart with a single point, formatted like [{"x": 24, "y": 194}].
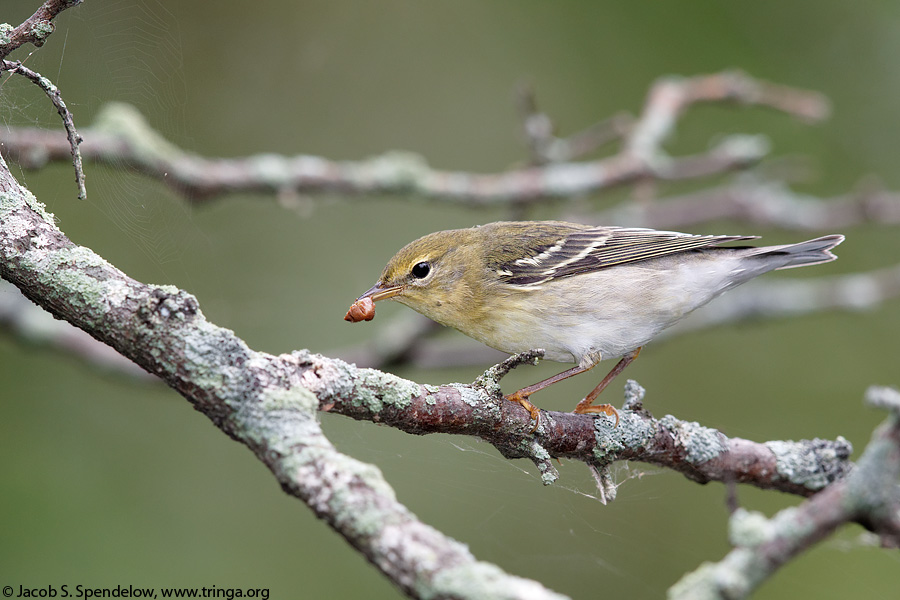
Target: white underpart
[{"x": 614, "y": 311}]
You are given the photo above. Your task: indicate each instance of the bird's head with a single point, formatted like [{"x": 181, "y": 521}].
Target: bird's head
[{"x": 435, "y": 275}]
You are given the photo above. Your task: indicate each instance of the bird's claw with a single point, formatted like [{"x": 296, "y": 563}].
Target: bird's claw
[
  {"x": 606, "y": 409},
  {"x": 533, "y": 410}
]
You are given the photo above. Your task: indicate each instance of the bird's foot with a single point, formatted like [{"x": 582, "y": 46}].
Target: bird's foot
[
  {"x": 533, "y": 410},
  {"x": 606, "y": 409}
]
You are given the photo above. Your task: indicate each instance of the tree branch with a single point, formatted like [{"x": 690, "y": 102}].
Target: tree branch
[
  {"x": 268, "y": 403},
  {"x": 122, "y": 137},
  {"x": 670, "y": 96},
  {"x": 163, "y": 331},
  {"x": 547, "y": 148},
  {"x": 33, "y": 325},
  {"x": 870, "y": 495},
  {"x": 35, "y": 29},
  {"x": 765, "y": 203},
  {"x": 258, "y": 399}
]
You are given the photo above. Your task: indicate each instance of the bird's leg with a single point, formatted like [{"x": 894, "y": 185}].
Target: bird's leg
[
  {"x": 521, "y": 396},
  {"x": 584, "y": 407}
]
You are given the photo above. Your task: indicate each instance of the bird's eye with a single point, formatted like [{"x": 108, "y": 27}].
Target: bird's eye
[{"x": 421, "y": 270}]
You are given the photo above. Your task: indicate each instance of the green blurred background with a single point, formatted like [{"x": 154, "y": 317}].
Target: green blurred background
[{"x": 106, "y": 481}]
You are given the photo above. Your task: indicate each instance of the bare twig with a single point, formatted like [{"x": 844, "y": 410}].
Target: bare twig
[
  {"x": 869, "y": 495},
  {"x": 121, "y": 137},
  {"x": 546, "y": 147},
  {"x": 670, "y": 96},
  {"x": 124, "y": 139},
  {"x": 35, "y": 29},
  {"x": 56, "y": 98},
  {"x": 766, "y": 203}
]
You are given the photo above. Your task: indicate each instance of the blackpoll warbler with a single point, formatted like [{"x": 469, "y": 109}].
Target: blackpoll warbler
[{"x": 580, "y": 293}]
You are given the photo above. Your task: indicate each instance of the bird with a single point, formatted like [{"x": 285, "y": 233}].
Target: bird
[{"x": 580, "y": 293}]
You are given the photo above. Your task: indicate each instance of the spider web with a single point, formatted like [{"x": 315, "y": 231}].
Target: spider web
[{"x": 127, "y": 51}]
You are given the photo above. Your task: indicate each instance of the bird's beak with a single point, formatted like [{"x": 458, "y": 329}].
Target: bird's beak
[{"x": 377, "y": 292}]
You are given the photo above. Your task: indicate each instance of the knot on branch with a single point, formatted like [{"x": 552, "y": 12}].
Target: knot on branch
[{"x": 166, "y": 303}]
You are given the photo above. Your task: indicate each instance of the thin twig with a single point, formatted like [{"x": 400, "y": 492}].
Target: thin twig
[
  {"x": 126, "y": 140},
  {"x": 36, "y": 28},
  {"x": 122, "y": 137},
  {"x": 56, "y": 98},
  {"x": 670, "y": 96},
  {"x": 546, "y": 147},
  {"x": 759, "y": 202},
  {"x": 868, "y": 495}
]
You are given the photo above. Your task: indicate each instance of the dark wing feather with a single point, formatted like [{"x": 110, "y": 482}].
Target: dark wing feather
[{"x": 585, "y": 250}]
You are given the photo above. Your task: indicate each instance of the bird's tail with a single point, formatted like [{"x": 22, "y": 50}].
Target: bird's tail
[{"x": 810, "y": 252}]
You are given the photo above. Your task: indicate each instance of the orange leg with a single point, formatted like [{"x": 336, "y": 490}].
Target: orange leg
[
  {"x": 585, "y": 407},
  {"x": 521, "y": 396}
]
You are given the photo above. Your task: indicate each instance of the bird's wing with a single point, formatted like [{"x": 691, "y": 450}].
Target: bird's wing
[{"x": 574, "y": 251}]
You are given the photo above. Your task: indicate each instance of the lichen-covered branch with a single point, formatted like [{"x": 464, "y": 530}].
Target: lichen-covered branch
[
  {"x": 35, "y": 29},
  {"x": 33, "y": 325},
  {"x": 870, "y": 495},
  {"x": 268, "y": 403},
  {"x": 699, "y": 453},
  {"x": 259, "y": 400},
  {"x": 121, "y": 137},
  {"x": 156, "y": 327}
]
